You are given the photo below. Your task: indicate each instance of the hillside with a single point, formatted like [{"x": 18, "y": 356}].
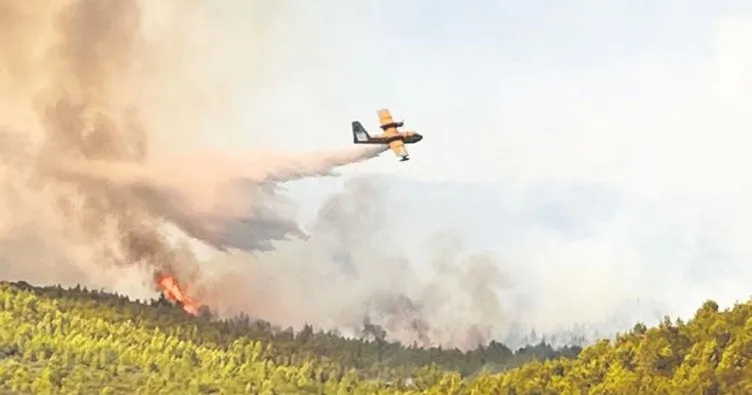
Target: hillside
[
  {"x": 78, "y": 341},
  {"x": 709, "y": 354}
]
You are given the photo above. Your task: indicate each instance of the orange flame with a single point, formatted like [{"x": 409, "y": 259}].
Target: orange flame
[{"x": 174, "y": 293}]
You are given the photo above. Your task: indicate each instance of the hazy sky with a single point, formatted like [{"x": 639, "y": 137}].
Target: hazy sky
[{"x": 600, "y": 148}]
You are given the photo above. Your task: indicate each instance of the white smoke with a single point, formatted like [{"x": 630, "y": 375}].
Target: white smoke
[{"x": 351, "y": 272}]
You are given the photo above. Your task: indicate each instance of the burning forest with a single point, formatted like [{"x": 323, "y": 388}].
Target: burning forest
[{"x": 105, "y": 185}]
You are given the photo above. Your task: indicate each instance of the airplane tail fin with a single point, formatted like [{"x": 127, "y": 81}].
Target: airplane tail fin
[{"x": 360, "y": 136}]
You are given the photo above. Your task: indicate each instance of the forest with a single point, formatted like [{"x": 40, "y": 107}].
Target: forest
[{"x": 78, "y": 341}]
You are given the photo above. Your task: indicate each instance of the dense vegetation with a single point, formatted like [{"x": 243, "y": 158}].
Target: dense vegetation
[
  {"x": 76, "y": 341},
  {"x": 79, "y": 340}
]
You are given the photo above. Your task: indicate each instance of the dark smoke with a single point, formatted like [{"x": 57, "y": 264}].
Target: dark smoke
[
  {"x": 94, "y": 193},
  {"x": 87, "y": 104}
]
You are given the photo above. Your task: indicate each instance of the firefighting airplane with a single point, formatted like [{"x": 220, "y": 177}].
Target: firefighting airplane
[{"x": 391, "y": 136}]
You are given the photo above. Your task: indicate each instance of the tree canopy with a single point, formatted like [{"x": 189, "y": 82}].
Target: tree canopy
[{"x": 54, "y": 340}]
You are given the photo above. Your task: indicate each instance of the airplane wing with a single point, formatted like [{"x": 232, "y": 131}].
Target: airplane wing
[
  {"x": 387, "y": 123},
  {"x": 399, "y": 149}
]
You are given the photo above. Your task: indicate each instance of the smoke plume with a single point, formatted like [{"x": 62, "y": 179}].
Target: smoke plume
[
  {"x": 100, "y": 107},
  {"x": 85, "y": 106},
  {"x": 350, "y": 273},
  {"x": 217, "y": 199}
]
